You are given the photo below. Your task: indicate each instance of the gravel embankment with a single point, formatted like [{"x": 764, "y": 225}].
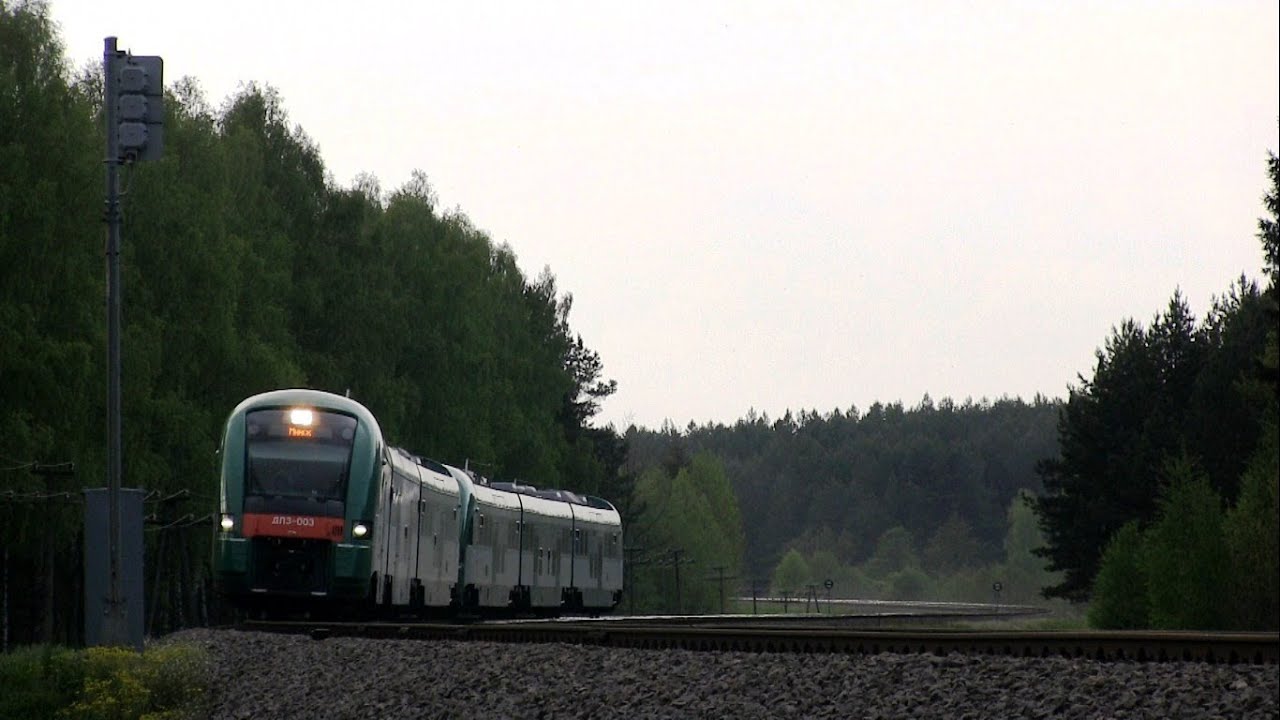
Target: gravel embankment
[{"x": 258, "y": 675}]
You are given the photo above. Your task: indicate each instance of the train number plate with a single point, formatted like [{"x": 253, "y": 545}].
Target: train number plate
[{"x": 299, "y": 526}]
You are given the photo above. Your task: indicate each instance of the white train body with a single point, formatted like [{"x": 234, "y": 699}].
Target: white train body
[{"x": 445, "y": 539}]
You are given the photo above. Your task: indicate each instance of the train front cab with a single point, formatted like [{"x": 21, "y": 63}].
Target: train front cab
[{"x": 298, "y": 469}]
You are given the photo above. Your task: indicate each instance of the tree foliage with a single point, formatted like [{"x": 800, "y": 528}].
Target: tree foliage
[
  {"x": 1253, "y": 539},
  {"x": 1177, "y": 423},
  {"x": 895, "y": 572},
  {"x": 1185, "y": 558},
  {"x": 792, "y": 573},
  {"x": 1024, "y": 573},
  {"x": 838, "y": 482},
  {"x": 952, "y": 547},
  {"x": 691, "y": 532},
  {"x": 1120, "y": 597},
  {"x": 1156, "y": 392}
]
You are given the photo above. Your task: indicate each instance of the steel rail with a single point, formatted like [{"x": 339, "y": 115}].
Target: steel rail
[{"x": 1141, "y": 646}]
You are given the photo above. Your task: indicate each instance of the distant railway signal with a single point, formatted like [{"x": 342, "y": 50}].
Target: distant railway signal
[
  {"x": 133, "y": 108},
  {"x": 137, "y": 93}
]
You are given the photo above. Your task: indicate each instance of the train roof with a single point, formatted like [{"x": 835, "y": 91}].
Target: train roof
[
  {"x": 311, "y": 398},
  {"x": 554, "y": 494},
  {"x": 432, "y": 465},
  {"x": 516, "y": 487}
]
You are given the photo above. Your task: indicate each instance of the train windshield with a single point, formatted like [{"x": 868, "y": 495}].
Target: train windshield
[{"x": 299, "y": 453}]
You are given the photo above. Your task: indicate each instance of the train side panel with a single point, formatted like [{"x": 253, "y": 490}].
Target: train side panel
[
  {"x": 544, "y": 522},
  {"x": 597, "y": 557},
  {"x": 492, "y": 572},
  {"x": 437, "y": 538}
]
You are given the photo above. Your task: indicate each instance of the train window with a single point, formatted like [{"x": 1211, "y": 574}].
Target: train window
[{"x": 298, "y": 455}]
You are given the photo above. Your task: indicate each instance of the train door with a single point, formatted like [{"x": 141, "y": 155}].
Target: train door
[
  {"x": 391, "y": 537},
  {"x": 437, "y": 582},
  {"x": 611, "y": 572},
  {"x": 438, "y": 537},
  {"x": 381, "y": 516},
  {"x": 405, "y": 501},
  {"x": 450, "y": 553},
  {"x": 597, "y": 556},
  {"x": 412, "y": 533}
]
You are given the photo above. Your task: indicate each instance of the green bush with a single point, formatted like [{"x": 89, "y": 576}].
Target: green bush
[
  {"x": 855, "y": 582},
  {"x": 909, "y": 583},
  {"x": 164, "y": 683},
  {"x": 37, "y": 681},
  {"x": 792, "y": 572},
  {"x": 960, "y": 586},
  {"x": 176, "y": 676},
  {"x": 1120, "y": 590}
]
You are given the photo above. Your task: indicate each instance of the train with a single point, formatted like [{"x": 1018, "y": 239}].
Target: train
[{"x": 318, "y": 513}]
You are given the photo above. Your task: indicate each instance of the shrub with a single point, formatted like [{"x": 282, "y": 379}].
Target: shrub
[
  {"x": 792, "y": 572},
  {"x": 164, "y": 683},
  {"x": 177, "y": 676},
  {"x": 909, "y": 583},
  {"x": 36, "y": 682},
  {"x": 113, "y": 688}
]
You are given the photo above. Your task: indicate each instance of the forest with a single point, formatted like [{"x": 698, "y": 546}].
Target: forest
[
  {"x": 246, "y": 267},
  {"x": 888, "y": 503}
]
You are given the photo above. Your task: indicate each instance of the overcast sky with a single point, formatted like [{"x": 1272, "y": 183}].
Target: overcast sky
[{"x": 790, "y": 205}]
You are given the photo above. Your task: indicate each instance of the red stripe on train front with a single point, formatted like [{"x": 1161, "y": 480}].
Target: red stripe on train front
[{"x": 293, "y": 526}]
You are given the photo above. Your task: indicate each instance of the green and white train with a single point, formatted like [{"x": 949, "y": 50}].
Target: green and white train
[{"x": 319, "y": 513}]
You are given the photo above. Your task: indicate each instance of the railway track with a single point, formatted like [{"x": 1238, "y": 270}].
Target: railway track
[{"x": 1143, "y": 646}]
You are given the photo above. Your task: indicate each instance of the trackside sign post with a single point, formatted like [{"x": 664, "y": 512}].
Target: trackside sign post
[{"x": 133, "y": 106}]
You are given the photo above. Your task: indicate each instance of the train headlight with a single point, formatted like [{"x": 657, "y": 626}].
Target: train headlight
[
  {"x": 301, "y": 416},
  {"x": 227, "y": 523},
  {"x": 359, "y": 530}
]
